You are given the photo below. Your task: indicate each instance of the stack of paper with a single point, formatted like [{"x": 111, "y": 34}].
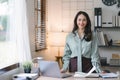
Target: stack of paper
[{"x": 24, "y": 76}]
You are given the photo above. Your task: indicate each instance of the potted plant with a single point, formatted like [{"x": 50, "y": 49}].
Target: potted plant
[{"x": 27, "y": 66}]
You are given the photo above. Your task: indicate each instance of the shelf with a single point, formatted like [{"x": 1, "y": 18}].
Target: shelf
[
  {"x": 111, "y": 65},
  {"x": 37, "y": 9},
  {"x": 107, "y": 27},
  {"x": 111, "y": 68},
  {"x": 109, "y": 46}
]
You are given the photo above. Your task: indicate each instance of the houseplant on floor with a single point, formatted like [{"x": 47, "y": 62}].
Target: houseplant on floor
[{"x": 27, "y": 66}]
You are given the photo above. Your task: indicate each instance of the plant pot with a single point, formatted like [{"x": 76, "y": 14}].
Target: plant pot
[{"x": 27, "y": 70}]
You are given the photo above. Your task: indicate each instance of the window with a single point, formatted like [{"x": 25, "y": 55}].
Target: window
[
  {"x": 7, "y": 43},
  {"x": 3, "y": 19},
  {"x": 40, "y": 24}
]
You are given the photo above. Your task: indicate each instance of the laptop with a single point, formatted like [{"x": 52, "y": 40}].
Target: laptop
[{"x": 51, "y": 69}]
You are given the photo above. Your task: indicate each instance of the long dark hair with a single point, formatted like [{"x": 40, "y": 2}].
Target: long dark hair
[{"x": 87, "y": 31}]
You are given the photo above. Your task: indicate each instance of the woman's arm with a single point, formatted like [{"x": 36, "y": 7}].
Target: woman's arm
[
  {"x": 66, "y": 56},
  {"x": 95, "y": 54}
]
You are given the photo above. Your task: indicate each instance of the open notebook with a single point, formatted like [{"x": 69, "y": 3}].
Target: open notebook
[
  {"x": 89, "y": 74},
  {"x": 51, "y": 69}
]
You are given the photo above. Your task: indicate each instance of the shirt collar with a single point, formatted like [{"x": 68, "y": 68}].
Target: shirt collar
[{"x": 76, "y": 33}]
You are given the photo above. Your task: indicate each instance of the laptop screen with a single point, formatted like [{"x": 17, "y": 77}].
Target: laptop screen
[{"x": 49, "y": 68}]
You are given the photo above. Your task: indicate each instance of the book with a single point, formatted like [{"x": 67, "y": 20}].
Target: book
[
  {"x": 108, "y": 75},
  {"x": 115, "y": 20},
  {"x": 106, "y": 39},
  {"x": 119, "y": 21},
  {"x": 101, "y": 38},
  {"x": 116, "y": 41},
  {"x": 98, "y": 17}
]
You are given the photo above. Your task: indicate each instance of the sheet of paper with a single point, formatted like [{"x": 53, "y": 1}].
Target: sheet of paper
[
  {"x": 27, "y": 75},
  {"x": 93, "y": 69}
]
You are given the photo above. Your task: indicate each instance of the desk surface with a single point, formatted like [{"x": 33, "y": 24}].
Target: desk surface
[{"x": 72, "y": 78}]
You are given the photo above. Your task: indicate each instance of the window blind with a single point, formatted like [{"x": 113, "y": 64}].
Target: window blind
[{"x": 40, "y": 26}]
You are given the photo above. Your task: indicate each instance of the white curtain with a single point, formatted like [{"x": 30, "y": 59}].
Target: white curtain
[
  {"x": 19, "y": 29},
  {"x": 15, "y": 45}
]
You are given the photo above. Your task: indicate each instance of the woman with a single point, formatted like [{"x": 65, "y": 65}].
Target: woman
[{"x": 81, "y": 44}]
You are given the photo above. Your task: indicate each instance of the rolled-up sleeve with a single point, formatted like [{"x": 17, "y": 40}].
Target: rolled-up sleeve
[{"x": 95, "y": 54}]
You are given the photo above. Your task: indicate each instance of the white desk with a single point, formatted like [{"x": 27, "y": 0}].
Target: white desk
[{"x": 72, "y": 78}]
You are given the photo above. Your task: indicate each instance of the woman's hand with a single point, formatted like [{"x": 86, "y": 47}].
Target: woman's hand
[
  {"x": 63, "y": 71},
  {"x": 105, "y": 71}
]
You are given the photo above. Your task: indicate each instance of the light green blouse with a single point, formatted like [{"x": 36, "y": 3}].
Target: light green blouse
[{"x": 79, "y": 47}]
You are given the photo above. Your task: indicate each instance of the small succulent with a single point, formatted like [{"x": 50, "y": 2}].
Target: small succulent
[{"x": 27, "y": 66}]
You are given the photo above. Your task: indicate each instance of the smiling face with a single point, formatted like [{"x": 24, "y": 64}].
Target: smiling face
[{"x": 81, "y": 21}]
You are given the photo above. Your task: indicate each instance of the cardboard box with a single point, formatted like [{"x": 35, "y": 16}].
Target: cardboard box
[{"x": 115, "y": 56}]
